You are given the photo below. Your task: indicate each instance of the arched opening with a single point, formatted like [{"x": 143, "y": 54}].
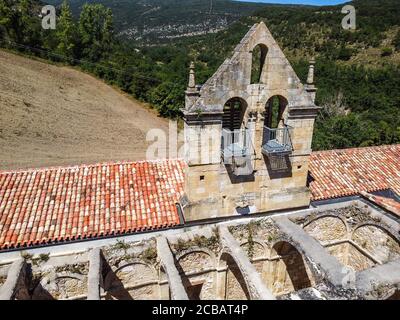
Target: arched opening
[
  {"x": 274, "y": 110},
  {"x": 235, "y": 284},
  {"x": 236, "y": 142},
  {"x": 289, "y": 271},
  {"x": 234, "y": 110},
  {"x": 133, "y": 281},
  {"x": 259, "y": 55},
  {"x": 277, "y": 135},
  {"x": 196, "y": 269}
]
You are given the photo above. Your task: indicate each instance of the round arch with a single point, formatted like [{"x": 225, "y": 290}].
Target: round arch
[
  {"x": 291, "y": 265},
  {"x": 335, "y": 228},
  {"x": 236, "y": 286},
  {"x": 275, "y": 109},
  {"x": 234, "y": 111}
]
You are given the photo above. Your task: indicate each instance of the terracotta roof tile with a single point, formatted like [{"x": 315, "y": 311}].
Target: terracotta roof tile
[
  {"x": 68, "y": 203},
  {"x": 387, "y": 203},
  {"x": 339, "y": 173}
]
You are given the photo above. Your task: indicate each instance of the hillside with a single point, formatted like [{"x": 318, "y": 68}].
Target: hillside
[
  {"x": 150, "y": 21},
  {"x": 357, "y": 72},
  {"x": 53, "y": 115}
]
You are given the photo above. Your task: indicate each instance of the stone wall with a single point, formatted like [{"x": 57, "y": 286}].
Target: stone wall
[
  {"x": 353, "y": 236},
  {"x": 281, "y": 266},
  {"x": 255, "y": 258}
]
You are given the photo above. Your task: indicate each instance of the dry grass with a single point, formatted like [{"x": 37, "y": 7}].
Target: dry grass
[{"x": 52, "y": 116}]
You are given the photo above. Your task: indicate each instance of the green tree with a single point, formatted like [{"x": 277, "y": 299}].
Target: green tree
[
  {"x": 167, "y": 98},
  {"x": 66, "y": 32},
  {"x": 96, "y": 31},
  {"x": 396, "y": 41},
  {"x": 6, "y": 15},
  {"x": 27, "y": 25}
]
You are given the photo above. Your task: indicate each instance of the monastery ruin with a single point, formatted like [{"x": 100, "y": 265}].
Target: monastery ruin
[{"x": 249, "y": 213}]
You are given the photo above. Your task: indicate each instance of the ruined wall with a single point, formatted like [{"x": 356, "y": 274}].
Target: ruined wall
[
  {"x": 281, "y": 266},
  {"x": 353, "y": 236},
  {"x": 249, "y": 259},
  {"x": 133, "y": 273}
]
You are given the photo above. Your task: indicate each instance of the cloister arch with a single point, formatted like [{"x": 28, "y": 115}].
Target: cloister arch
[
  {"x": 133, "y": 280},
  {"x": 197, "y": 270},
  {"x": 236, "y": 287},
  {"x": 327, "y": 228},
  {"x": 377, "y": 241},
  {"x": 288, "y": 271}
]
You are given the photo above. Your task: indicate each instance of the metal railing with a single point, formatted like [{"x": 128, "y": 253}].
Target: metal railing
[
  {"x": 277, "y": 141},
  {"x": 237, "y": 150}
]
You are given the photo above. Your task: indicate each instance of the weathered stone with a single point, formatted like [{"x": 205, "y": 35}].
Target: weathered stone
[{"x": 272, "y": 181}]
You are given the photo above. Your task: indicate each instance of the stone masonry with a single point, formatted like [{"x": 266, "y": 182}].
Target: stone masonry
[{"x": 211, "y": 189}]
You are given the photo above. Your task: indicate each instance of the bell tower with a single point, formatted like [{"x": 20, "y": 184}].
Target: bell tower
[{"x": 248, "y": 134}]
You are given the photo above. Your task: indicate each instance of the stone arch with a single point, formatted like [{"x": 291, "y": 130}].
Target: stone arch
[
  {"x": 197, "y": 267},
  {"x": 260, "y": 249},
  {"x": 203, "y": 256},
  {"x": 256, "y": 252},
  {"x": 275, "y": 108},
  {"x": 236, "y": 287},
  {"x": 64, "y": 286},
  {"x": 258, "y": 62},
  {"x": 288, "y": 270},
  {"x": 134, "y": 280},
  {"x": 327, "y": 228},
  {"x": 377, "y": 241},
  {"x": 234, "y": 113}
]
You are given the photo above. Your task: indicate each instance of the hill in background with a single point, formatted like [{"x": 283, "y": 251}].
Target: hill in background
[{"x": 150, "y": 21}]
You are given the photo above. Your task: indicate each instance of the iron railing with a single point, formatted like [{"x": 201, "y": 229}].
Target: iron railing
[
  {"x": 277, "y": 141},
  {"x": 237, "y": 150}
]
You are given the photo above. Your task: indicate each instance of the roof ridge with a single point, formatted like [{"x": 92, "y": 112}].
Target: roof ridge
[
  {"x": 88, "y": 165},
  {"x": 357, "y": 148}
]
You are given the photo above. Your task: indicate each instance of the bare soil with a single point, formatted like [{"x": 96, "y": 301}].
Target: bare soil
[{"x": 51, "y": 116}]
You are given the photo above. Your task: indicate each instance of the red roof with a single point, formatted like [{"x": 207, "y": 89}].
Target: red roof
[
  {"x": 42, "y": 206},
  {"x": 339, "y": 173},
  {"x": 57, "y": 204},
  {"x": 387, "y": 203}
]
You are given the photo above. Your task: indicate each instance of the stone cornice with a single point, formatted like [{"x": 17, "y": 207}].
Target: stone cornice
[{"x": 303, "y": 112}]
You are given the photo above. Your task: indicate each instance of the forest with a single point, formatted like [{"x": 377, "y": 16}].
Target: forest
[{"x": 360, "y": 98}]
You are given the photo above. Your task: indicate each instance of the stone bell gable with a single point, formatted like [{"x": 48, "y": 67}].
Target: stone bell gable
[
  {"x": 232, "y": 79},
  {"x": 248, "y": 133}
]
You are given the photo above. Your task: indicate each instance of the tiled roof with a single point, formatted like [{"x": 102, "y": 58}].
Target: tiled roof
[
  {"x": 59, "y": 204},
  {"x": 42, "y": 206},
  {"x": 339, "y": 173},
  {"x": 387, "y": 203}
]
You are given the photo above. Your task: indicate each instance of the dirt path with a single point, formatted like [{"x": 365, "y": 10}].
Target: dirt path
[{"x": 52, "y": 116}]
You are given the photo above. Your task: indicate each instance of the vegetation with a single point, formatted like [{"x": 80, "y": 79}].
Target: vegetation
[{"x": 360, "y": 98}]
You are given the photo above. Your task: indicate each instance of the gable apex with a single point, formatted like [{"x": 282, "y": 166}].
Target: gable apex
[{"x": 234, "y": 77}]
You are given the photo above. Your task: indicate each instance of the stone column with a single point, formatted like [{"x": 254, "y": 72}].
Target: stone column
[
  {"x": 256, "y": 287},
  {"x": 167, "y": 260},
  {"x": 94, "y": 276},
  {"x": 16, "y": 276},
  {"x": 221, "y": 282}
]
